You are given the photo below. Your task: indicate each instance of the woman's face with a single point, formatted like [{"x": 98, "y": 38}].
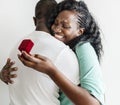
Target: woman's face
[{"x": 65, "y": 27}]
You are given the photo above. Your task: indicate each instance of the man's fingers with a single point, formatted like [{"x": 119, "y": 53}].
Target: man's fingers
[
  {"x": 10, "y": 81},
  {"x": 9, "y": 63},
  {"x": 7, "y": 72},
  {"x": 13, "y": 69},
  {"x": 12, "y": 76}
]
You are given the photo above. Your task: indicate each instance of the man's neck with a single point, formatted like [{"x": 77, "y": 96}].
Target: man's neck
[
  {"x": 42, "y": 29},
  {"x": 41, "y": 26}
]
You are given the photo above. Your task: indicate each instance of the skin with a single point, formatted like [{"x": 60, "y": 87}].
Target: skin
[
  {"x": 7, "y": 70},
  {"x": 65, "y": 29}
]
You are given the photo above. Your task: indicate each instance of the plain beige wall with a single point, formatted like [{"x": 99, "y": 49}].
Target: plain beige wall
[{"x": 16, "y": 21}]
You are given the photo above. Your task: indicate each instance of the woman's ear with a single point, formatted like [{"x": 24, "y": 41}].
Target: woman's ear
[
  {"x": 35, "y": 20},
  {"x": 81, "y": 31}
]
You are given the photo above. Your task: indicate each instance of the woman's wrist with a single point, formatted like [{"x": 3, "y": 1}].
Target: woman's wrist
[{"x": 52, "y": 72}]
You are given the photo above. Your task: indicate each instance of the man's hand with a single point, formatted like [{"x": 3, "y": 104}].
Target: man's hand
[{"x": 5, "y": 74}]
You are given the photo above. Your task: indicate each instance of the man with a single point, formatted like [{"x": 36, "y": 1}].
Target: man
[{"x": 32, "y": 87}]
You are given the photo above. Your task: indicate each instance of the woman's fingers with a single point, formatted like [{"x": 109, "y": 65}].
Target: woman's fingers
[
  {"x": 41, "y": 57},
  {"x": 34, "y": 58},
  {"x": 30, "y": 57},
  {"x": 26, "y": 61}
]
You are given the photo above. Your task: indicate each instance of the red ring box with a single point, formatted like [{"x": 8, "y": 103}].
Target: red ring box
[{"x": 26, "y": 45}]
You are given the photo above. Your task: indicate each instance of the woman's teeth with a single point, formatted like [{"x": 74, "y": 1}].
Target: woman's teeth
[{"x": 59, "y": 36}]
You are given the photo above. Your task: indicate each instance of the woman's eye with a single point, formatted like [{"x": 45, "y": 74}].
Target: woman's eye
[{"x": 66, "y": 26}]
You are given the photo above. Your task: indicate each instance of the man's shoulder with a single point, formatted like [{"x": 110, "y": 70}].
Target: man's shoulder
[{"x": 41, "y": 35}]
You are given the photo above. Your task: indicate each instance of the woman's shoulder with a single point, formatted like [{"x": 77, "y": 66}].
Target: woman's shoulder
[
  {"x": 84, "y": 46},
  {"x": 85, "y": 49}
]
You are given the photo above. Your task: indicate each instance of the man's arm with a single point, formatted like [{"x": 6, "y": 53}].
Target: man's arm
[{"x": 5, "y": 74}]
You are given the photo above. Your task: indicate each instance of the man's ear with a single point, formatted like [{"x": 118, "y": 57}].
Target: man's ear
[
  {"x": 35, "y": 20},
  {"x": 81, "y": 31}
]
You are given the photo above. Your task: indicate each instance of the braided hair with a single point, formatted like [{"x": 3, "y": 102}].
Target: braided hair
[{"x": 85, "y": 20}]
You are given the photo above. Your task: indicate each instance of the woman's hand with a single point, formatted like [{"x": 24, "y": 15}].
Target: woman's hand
[
  {"x": 6, "y": 72},
  {"x": 37, "y": 62}
]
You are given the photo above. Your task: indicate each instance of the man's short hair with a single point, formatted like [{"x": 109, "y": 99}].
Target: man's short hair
[{"x": 44, "y": 7}]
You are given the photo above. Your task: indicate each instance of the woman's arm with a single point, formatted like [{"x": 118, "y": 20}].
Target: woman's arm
[{"x": 76, "y": 94}]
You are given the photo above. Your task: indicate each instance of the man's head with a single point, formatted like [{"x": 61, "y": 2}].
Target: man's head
[{"x": 42, "y": 11}]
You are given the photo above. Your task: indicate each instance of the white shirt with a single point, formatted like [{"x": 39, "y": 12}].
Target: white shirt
[{"x": 35, "y": 88}]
